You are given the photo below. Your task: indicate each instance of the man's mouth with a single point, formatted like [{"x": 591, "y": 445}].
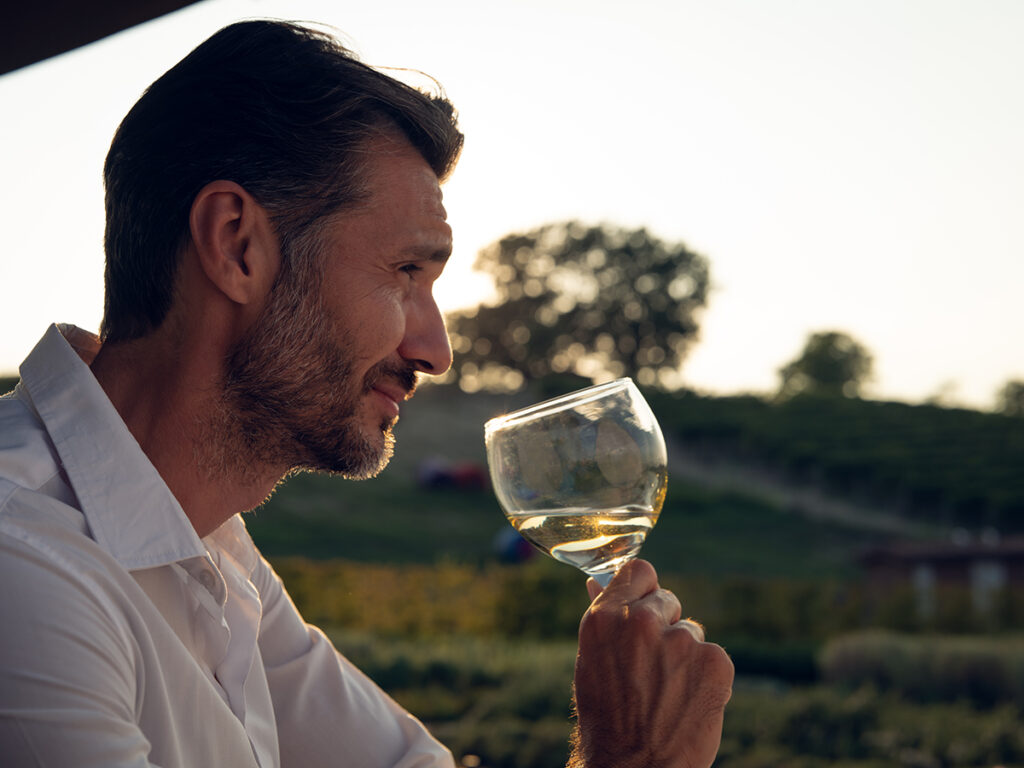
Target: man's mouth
[{"x": 393, "y": 385}]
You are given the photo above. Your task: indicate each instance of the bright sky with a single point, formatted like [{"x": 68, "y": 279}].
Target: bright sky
[{"x": 852, "y": 165}]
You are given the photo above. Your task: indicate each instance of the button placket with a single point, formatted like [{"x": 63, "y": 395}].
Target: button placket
[{"x": 207, "y": 579}]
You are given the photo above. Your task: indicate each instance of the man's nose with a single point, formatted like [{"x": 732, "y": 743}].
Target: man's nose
[{"x": 425, "y": 344}]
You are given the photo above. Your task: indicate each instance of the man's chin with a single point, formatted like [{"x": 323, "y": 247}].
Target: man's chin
[{"x": 353, "y": 459}]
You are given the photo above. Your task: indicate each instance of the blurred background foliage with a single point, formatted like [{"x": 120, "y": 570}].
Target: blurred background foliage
[
  {"x": 832, "y": 364},
  {"x": 1010, "y": 399}
]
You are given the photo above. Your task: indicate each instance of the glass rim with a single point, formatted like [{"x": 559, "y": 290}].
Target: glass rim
[{"x": 557, "y": 403}]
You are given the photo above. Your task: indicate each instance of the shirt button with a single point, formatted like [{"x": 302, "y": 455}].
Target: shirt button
[{"x": 206, "y": 579}]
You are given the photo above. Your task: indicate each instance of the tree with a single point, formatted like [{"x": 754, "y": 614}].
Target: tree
[
  {"x": 1010, "y": 399},
  {"x": 594, "y": 301},
  {"x": 832, "y": 363}
]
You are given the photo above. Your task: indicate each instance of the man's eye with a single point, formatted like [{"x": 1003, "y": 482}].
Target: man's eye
[{"x": 410, "y": 269}]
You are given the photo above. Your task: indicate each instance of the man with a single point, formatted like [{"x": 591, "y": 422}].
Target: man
[{"x": 274, "y": 229}]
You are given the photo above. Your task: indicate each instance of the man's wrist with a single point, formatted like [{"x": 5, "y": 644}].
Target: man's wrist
[{"x": 586, "y": 758}]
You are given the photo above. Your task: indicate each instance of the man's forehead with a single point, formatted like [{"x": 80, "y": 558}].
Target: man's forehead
[
  {"x": 436, "y": 204},
  {"x": 430, "y": 194},
  {"x": 401, "y": 172}
]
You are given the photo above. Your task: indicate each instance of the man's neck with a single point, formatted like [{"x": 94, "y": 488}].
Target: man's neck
[{"x": 176, "y": 415}]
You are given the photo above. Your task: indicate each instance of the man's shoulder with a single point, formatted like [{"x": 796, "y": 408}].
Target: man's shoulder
[
  {"x": 27, "y": 457},
  {"x": 29, "y": 468},
  {"x": 51, "y": 565},
  {"x": 35, "y": 522}
]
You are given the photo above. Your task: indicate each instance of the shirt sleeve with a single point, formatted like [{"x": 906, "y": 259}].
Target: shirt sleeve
[
  {"x": 67, "y": 684},
  {"x": 327, "y": 711}
]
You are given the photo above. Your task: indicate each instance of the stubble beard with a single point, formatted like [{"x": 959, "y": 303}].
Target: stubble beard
[{"x": 289, "y": 399}]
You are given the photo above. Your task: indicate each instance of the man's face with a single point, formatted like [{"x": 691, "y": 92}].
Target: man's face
[{"x": 317, "y": 382}]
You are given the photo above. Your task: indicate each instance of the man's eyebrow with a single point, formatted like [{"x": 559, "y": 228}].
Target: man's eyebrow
[{"x": 430, "y": 253}]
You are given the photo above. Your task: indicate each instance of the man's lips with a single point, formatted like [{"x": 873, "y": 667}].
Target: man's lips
[
  {"x": 393, "y": 385},
  {"x": 392, "y": 394}
]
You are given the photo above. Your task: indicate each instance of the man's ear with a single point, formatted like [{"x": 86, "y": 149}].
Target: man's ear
[{"x": 234, "y": 241}]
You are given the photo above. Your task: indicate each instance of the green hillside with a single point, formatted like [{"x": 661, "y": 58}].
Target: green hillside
[{"x": 943, "y": 466}]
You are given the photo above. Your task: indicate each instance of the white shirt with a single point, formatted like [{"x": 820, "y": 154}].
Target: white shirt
[{"x": 125, "y": 640}]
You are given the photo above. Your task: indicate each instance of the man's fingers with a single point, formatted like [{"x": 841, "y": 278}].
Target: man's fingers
[
  {"x": 633, "y": 580},
  {"x": 691, "y": 626},
  {"x": 662, "y": 603}
]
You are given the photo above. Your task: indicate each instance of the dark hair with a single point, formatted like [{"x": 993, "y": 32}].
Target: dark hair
[{"x": 280, "y": 109}]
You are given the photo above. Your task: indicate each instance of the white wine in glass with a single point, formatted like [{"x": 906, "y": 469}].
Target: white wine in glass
[{"x": 583, "y": 476}]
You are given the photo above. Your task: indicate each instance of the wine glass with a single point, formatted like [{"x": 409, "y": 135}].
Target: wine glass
[{"x": 583, "y": 476}]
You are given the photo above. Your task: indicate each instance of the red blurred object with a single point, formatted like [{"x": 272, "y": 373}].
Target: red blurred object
[{"x": 465, "y": 476}]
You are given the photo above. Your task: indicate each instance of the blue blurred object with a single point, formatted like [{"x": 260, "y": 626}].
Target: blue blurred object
[{"x": 511, "y": 547}]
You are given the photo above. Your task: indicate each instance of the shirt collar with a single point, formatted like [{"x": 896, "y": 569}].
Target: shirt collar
[
  {"x": 130, "y": 510},
  {"x": 233, "y": 538}
]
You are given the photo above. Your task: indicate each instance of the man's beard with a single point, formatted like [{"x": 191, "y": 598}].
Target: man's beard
[{"x": 290, "y": 397}]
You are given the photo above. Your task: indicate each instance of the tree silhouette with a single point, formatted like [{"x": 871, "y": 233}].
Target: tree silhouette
[
  {"x": 1010, "y": 399},
  {"x": 594, "y": 301},
  {"x": 832, "y": 363}
]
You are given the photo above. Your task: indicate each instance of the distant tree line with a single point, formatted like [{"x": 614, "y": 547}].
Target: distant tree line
[{"x": 600, "y": 301}]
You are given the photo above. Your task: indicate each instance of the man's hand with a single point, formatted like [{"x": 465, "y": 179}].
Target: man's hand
[{"x": 650, "y": 693}]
